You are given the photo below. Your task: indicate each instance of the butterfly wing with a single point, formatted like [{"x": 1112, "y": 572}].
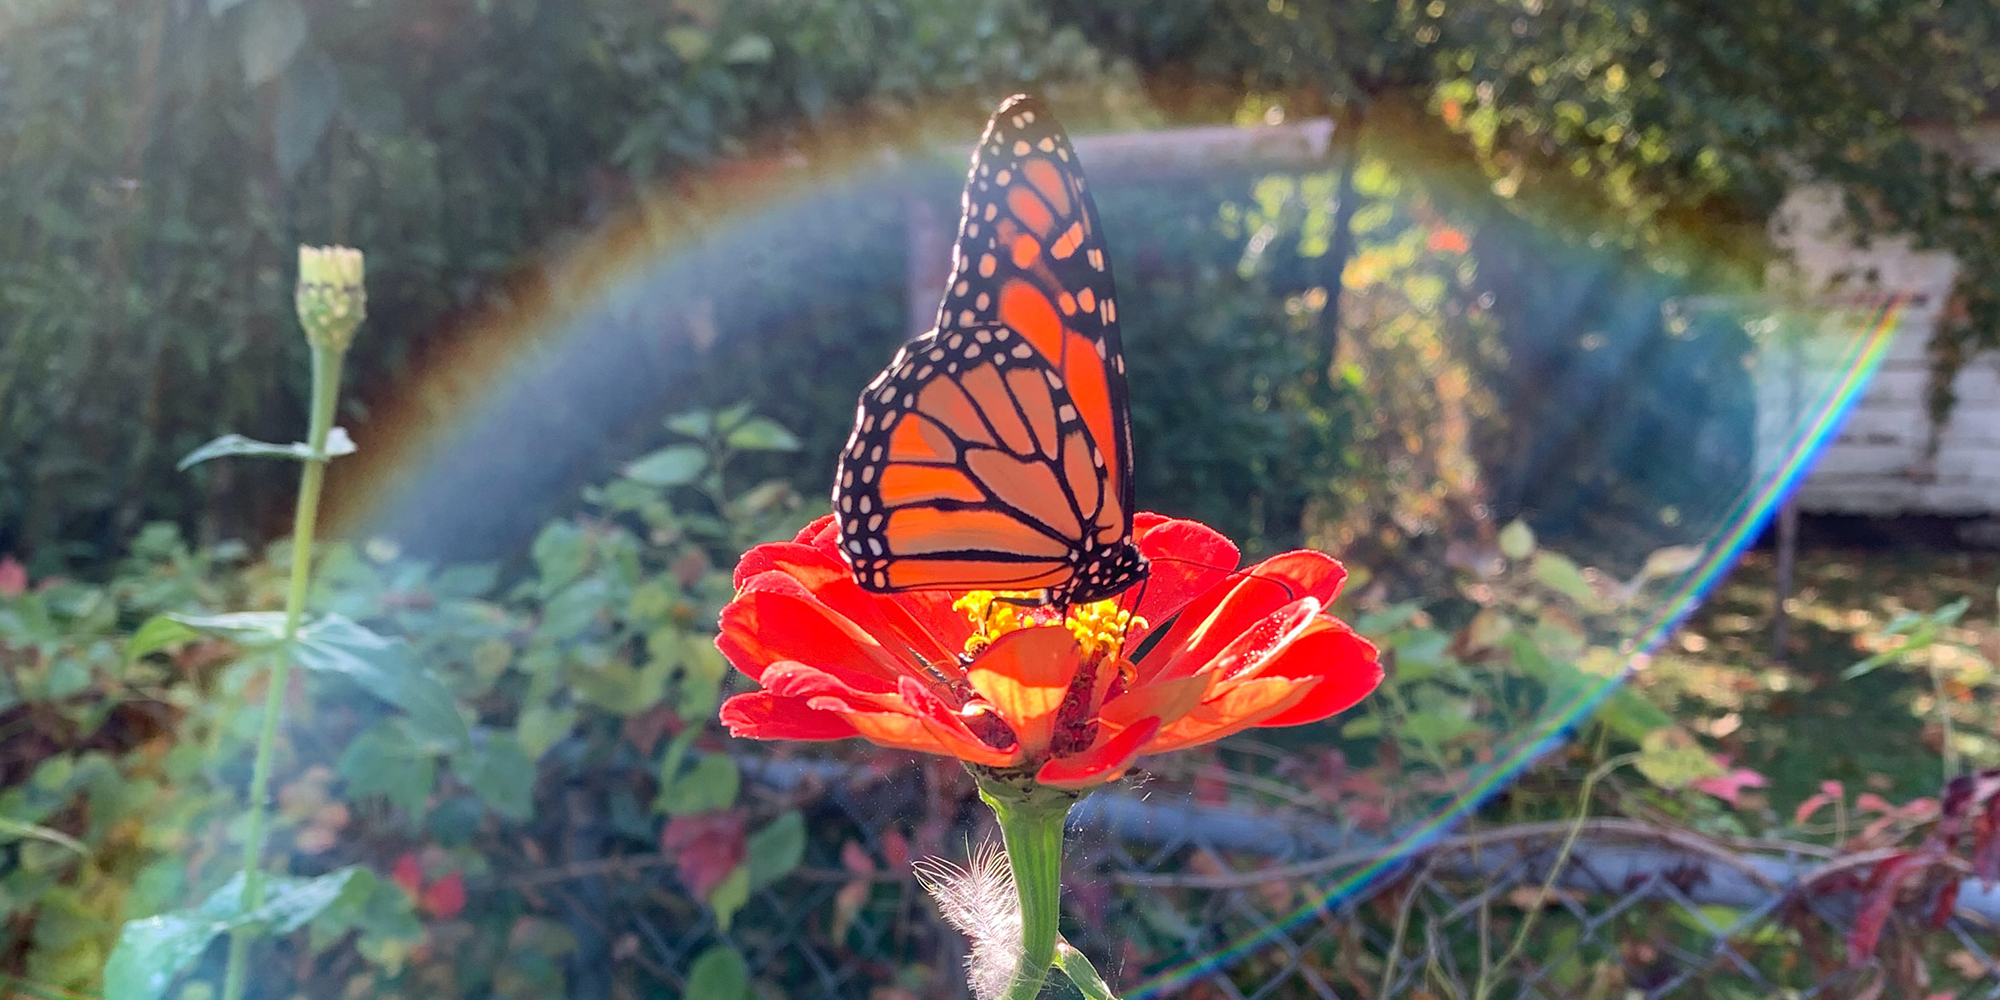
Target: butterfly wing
[
  {"x": 994, "y": 452},
  {"x": 970, "y": 467},
  {"x": 1030, "y": 255}
]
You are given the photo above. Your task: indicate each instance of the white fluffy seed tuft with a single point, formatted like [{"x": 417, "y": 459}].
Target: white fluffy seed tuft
[{"x": 982, "y": 902}]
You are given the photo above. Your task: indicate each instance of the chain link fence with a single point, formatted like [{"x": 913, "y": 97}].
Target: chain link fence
[{"x": 1172, "y": 897}]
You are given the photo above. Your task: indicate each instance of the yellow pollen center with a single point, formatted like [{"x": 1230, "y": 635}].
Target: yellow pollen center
[{"x": 1099, "y": 626}]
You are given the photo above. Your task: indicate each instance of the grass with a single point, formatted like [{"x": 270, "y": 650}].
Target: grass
[{"x": 1795, "y": 718}]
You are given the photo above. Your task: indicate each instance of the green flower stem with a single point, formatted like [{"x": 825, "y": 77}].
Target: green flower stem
[
  {"x": 1081, "y": 972},
  {"x": 1031, "y": 827},
  {"x": 326, "y": 361}
]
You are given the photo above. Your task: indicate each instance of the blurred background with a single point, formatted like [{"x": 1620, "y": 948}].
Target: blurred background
[{"x": 1590, "y": 334}]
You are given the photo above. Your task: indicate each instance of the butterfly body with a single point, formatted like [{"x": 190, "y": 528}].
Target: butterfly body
[{"x": 994, "y": 452}]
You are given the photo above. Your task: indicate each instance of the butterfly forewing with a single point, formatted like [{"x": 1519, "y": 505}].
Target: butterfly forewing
[{"x": 994, "y": 452}]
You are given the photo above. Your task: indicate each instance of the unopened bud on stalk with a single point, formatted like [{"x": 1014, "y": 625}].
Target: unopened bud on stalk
[{"x": 332, "y": 300}]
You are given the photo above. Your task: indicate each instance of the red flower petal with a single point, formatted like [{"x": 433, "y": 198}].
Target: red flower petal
[
  {"x": 775, "y": 620},
  {"x": 828, "y": 581},
  {"x": 1106, "y": 761},
  {"x": 761, "y": 715},
  {"x": 1216, "y": 618},
  {"x": 810, "y": 534},
  {"x": 1187, "y": 558},
  {"x": 804, "y": 563},
  {"x": 1025, "y": 674},
  {"x": 1346, "y": 664}
]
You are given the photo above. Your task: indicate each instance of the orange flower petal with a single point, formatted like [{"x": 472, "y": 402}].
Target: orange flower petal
[
  {"x": 1025, "y": 674},
  {"x": 1238, "y": 707},
  {"x": 1164, "y": 700},
  {"x": 1106, "y": 761}
]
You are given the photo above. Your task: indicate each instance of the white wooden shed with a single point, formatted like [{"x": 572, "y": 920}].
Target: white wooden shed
[{"x": 1881, "y": 461}]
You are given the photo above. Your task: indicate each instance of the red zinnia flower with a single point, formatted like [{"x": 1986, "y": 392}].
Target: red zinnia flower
[{"x": 1025, "y": 690}]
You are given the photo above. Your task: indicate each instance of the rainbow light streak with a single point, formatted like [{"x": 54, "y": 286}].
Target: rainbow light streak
[{"x": 1742, "y": 524}]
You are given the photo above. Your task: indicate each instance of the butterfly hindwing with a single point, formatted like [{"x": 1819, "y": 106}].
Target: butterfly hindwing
[{"x": 970, "y": 466}]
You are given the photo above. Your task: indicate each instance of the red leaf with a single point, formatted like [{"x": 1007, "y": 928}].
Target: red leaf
[
  {"x": 409, "y": 873},
  {"x": 1886, "y": 880},
  {"x": 13, "y": 577},
  {"x": 1986, "y": 845},
  {"x": 854, "y": 858},
  {"x": 896, "y": 850},
  {"x": 1947, "y": 901},
  {"x": 706, "y": 848},
  {"x": 1812, "y": 805},
  {"x": 445, "y": 898},
  {"x": 1871, "y": 802},
  {"x": 1729, "y": 786}
]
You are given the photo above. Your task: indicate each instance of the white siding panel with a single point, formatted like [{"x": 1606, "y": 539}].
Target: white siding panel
[{"x": 1879, "y": 460}]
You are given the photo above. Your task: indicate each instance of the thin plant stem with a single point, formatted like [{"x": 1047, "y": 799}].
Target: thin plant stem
[
  {"x": 1944, "y": 717},
  {"x": 1534, "y": 907},
  {"x": 1033, "y": 833},
  {"x": 325, "y": 391}
]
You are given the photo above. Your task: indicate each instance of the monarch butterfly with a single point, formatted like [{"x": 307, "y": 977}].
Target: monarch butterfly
[{"x": 994, "y": 452}]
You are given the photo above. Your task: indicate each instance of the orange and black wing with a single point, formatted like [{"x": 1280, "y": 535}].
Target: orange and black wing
[{"x": 995, "y": 451}]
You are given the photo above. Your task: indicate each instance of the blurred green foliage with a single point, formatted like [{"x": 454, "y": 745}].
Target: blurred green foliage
[{"x": 159, "y": 155}]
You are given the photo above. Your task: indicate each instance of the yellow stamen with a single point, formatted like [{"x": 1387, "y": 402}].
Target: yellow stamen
[{"x": 1099, "y": 627}]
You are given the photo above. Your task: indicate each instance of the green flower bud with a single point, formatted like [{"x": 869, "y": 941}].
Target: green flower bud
[{"x": 331, "y": 298}]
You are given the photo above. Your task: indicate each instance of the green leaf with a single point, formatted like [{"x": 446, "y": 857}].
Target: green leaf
[
  {"x": 307, "y": 96},
  {"x": 1558, "y": 573},
  {"x": 726, "y": 899},
  {"x": 1361, "y": 727},
  {"x": 236, "y": 445},
  {"x": 540, "y": 726},
  {"x": 762, "y": 434},
  {"x": 1629, "y": 714},
  {"x": 384, "y": 668},
  {"x": 749, "y": 49},
  {"x": 694, "y": 424},
  {"x": 151, "y": 952},
  {"x": 709, "y": 785},
  {"x": 12, "y": 829},
  {"x": 674, "y": 465},
  {"x": 501, "y": 773},
  {"x": 561, "y": 553},
  {"x": 251, "y": 628},
  {"x": 1670, "y": 759},
  {"x": 776, "y": 850},
  {"x": 718, "y": 974},
  {"x": 1517, "y": 541},
  {"x": 159, "y": 632},
  {"x": 272, "y": 32},
  {"x": 1671, "y": 561},
  {"x": 385, "y": 761},
  {"x": 688, "y": 43}
]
